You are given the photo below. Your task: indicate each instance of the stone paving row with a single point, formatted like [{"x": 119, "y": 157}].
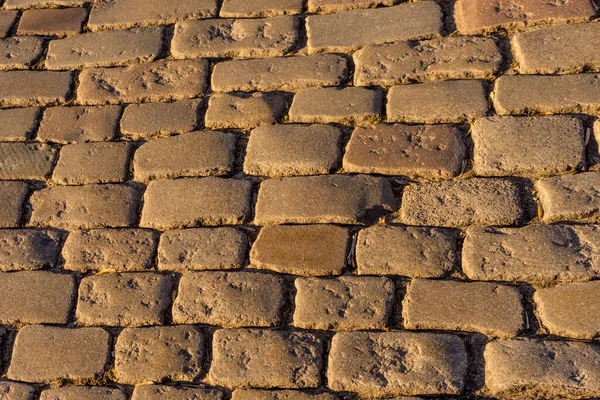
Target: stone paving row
[{"x": 299, "y": 199}]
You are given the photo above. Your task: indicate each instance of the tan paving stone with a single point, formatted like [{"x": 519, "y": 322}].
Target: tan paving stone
[
  {"x": 158, "y": 392},
  {"x": 194, "y": 202},
  {"x": 255, "y": 394},
  {"x": 16, "y": 391},
  {"x": 265, "y": 358},
  {"x": 397, "y": 363},
  {"x": 82, "y": 392},
  {"x": 49, "y": 354},
  {"x": 32, "y": 88},
  {"x": 229, "y": 299},
  {"x": 326, "y": 6},
  {"x": 244, "y": 111},
  {"x": 349, "y": 30},
  {"x": 7, "y": 20},
  {"x": 570, "y": 197},
  {"x": 79, "y": 124},
  {"x": 52, "y": 21},
  {"x": 20, "y": 52},
  {"x": 18, "y": 124},
  {"x": 12, "y": 197},
  {"x": 83, "y": 163},
  {"x": 31, "y": 161},
  {"x": 287, "y": 150},
  {"x": 28, "y": 249},
  {"x": 41, "y": 3},
  {"x": 145, "y": 355},
  {"x": 260, "y": 8}
]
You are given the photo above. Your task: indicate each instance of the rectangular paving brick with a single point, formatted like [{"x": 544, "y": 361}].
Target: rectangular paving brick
[
  {"x": 256, "y": 394},
  {"x": 244, "y": 111},
  {"x": 52, "y": 21},
  {"x": 7, "y": 20},
  {"x": 28, "y": 249},
  {"x": 570, "y": 197},
  {"x": 31, "y": 161},
  {"x": 327, "y": 6},
  {"x": 349, "y": 30},
  {"x": 32, "y": 88},
  {"x": 20, "y": 52},
  {"x": 146, "y": 82},
  {"x": 49, "y": 354},
  {"x": 265, "y": 358},
  {"x": 239, "y": 38},
  {"x": 82, "y": 392},
  {"x": 12, "y": 197},
  {"x": 191, "y": 202},
  {"x": 16, "y": 391},
  {"x": 397, "y": 363},
  {"x": 79, "y": 124},
  {"x": 260, "y": 8},
  {"x": 158, "y": 392},
  {"x": 18, "y": 124}
]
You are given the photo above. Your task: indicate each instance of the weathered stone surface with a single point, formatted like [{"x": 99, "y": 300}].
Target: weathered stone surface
[
  {"x": 190, "y": 202},
  {"x": 82, "y": 392},
  {"x": 397, "y": 363},
  {"x": 426, "y": 151},
  {"x": 437, "y": 102},
  {"x": 346, "y": 31},
  {"x": 240, "y": 38},
  {"x": 131, "y": 299},
  {"x": 158, "y": 392},
  {"x": 463, "y": 202},
  {"x": 282, "y": 73},
  {"x": 417, "y": 252},
  {"x": 527, "y": 146},
  {"x": 32, "y": 88},
  {"x": 200, "y": 249},
  {"x": 265, "y": 358},
  {"x": 119, "y": 250},
  {"x": 255, "y": 394},
  {"x": 154, "y": 354},
  {"x": 570, "y": 197},
  {"x": 454, "y": 57},
  {"x": 309, "y": 250},
  {"x": 18, "y": 124},
  {"x": 49, "y": 354},
  {"x": 16, "y": 391},
  {"x": 285, "y": 150},
  {"x": 28, "y": 249},
  {"x": 12, "y": 197},
  {"x": 41, "y": 3},
  {"x": 26, "y": 160},
  {"x": 244, "y": 111},
  {"x": 83, "y": 163},
  {"x": 7, "y": 20},
  {"x": 52, "y": 21},
  {"x": 339, "y": 199},
  {"x": 79, "y": 124},
  {"x": 326, "y": 6},
  {"x": 260, "y": 8},
  {"x": 349, "y": 106},
  {"x": 20, "y": 52}
]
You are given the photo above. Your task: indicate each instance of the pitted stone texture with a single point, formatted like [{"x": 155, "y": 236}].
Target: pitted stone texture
[
  {"x": 82, "y": 392},
  {"x": 260, "y": 8},
  {"x": 85, "y": 207},
  {"x": 327, "y": 6},
  {"x": 18, "y": 124},
  {"x": 28, "y": 249},
  {"x": 287, "y": 150},
  {"x": 464, "y": 202},
  {"x": 338, "y": 199},
  {"x": 343, "y": 304},
  {"x": 533, "y": 369},
  {"x": 118, "y": 250},
  {"x": 229, "y": 299},
  {"x": 527, "y": 146},
  {"x": 397, "y": 363},
  {"x": 347, "y": 31},
  {"x": 79, "y": 124},
  {"x": 41, "y": 3},
  {"x": 33, "y": 88},
  {"x": 309, "y": 250},
  {"x": 437, "y": 102},
  {"x": 202, "y": 249},
  {"x": 244, "y": 111},
  {"x": 416, "y": 252},
  {"x": 146, "y": 82},
  {"x": 52, "y": 21},
  {"x": 425, "y": 151},
  {"x": 12, "y": 197},
  {"x": 16, "y": 391},
  {"x": 159, "y": 392},
  {"x": 154, "y": 354},
  {"x": 49, "y": 354},
  {"x": 454, "y": 57},
  {"x": 7, "y": 20},
  {"x": 255, "y": 394},
  {"x": 31, "y": 161},
  {"x": 20, "y": 52},
  {"x": 283, "y": 73},
  {"x": 131, "y": 299},
  {"x": 83, "y": 163},
  {"x": 265, "y": 358},
  {"x": 570, "y": 197},
  {"x": 191, "y": 202},
  {"x": 239, "y": 38}
]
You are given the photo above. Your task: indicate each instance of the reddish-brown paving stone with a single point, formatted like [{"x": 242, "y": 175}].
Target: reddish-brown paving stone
[
  {"x": 26, "y": 161},
  {"x": 119, "y": 250},
  {"x": 16, "y": 391},
  {"x": 42, "y": 3},
  {"x": 570, "y": 198},
  {"x": 20, "y": 52},
  {"x": 18, "y": 124},
  {"x": 158, "y": 392},
  {"x": 82, "y": 392},
  {"x": 397, "y": 363},
  {"x": 154, "y": 354},
  {"x": 7, "y": 20},
  {"x": 12, "y": 197},
  {"x": 256, "y": 394},
  {"x": 32, "y": 88},
  {"x": 28, "y": 249},
  {"x": 325, "y": 6},
  {"x": 243, "y": 110},
  {"x": 350, "y": 30},
  {"x": 79, "y": 124},
  {"x": 52, "y": 21},
  {"x": 50, "y": 354},
  {"x": 260, "y": 8},
  {"x": 265, "y": 358}
]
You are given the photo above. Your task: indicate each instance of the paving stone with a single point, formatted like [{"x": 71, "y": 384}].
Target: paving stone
[
  {"x": 282, "y": 73},
  {"x": 327, "y": 6},
  {"x": 260, "y": 8},
  {"x": 18, "y": 124},
  {"x": 481, "y": 16},
  {"x": 32, "y": 88},
  {"x": 158, "y": 392},
  {"x": 82, "y": 392},
  {"x": 28, "y": 249},
  {"x": 201, "y": 249},
  {"x": 144, "y": 121},
  {"x": 119, "y": 250},
  {"x": 85, "y": 207},
  {"x": 190, "y": 202},
  {"x": 32, "y": 161},
  {"x": 533, "y": 369},
  {"x": 145, "y": 355},
  {"x": 454, "y": 57},
  {"x": 339, "y": 199},
  {"x": 308, "y": 250},
  {"x": 229, "y": 299},
  {"x": 201, "y": 153},
  {"x": 20, "y": 52},
  {"x": 265, "y": 358},
  {"x": 7, "y": 20},
  {"x": 349, "y": 106},
  {"x": 50, "y": 354},
  {"x": 349, "y": 30},
  {"x": 397, "y": 363},
  {"x": 42, "y": 3},
  {"x": 527, "y": 146},
  {"x": 12, "y": 197},
  {"x": 416, "y": 252},
  {"x": 238, "y": 38},
  {"x": 131, "y": 299},
  {"x": 287, "y": 150},
  {"x": 553, "y": 94},
  {"x": 570, "y": 197},
  {"x": 437, "y": 102},
  {"x": 417, "y": 151},
  {"x": 343, "y": 304},
  {"x": 254, "y": 394},
  {"x": 79, "y": 124},
  {"x": 52, "y": 21},
  {"x": 244, "y": 111},
  {"x": 16, "y": 391},
  {"x": 459, "y": 203},
  {"x": 146, "y": 82}
]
